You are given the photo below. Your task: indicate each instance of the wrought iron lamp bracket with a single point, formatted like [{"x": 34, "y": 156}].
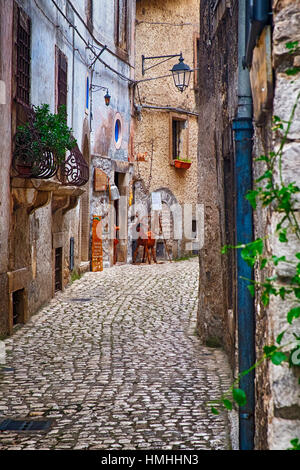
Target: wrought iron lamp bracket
[{"x": 165, "y": 57}]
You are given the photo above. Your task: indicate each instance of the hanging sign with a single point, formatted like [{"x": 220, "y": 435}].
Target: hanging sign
[
  {"x": 156, "y": 202},
  {"x": 100, "y": 180},
  {"x": 97, "y": 247}
]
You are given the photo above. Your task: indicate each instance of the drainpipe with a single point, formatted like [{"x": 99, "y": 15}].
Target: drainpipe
[{"x": 243, "y": 132}]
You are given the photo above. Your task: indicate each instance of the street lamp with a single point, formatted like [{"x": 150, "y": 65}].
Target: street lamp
[
  {"x": 106, "y": 96},
  {"x": 181, "y": 72}
]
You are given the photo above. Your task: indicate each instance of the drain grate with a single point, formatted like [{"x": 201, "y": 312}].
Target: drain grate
[
  {"x": 6, "y": 369},
  {"x": 25, "y": 425},
  {"x": 80, "y": 300}
]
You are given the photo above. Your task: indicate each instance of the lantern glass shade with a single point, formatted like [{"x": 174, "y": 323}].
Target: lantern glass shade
[
  {"x": 107, "y": 98},
  {"x": 181, "y": 75}
]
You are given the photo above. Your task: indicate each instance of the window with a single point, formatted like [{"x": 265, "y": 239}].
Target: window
[
  {"x": 23, "y": 39},
  {"x": 196, "y": 58},
  {"x": 178, "y": 138},
  {"x": 121, "y": 24},
  {"x": 89, "y": 13},
  {"x": 87, "y": 102},
  {"x": 118, "y": 131},
  {"x": 62, "y": 79}
]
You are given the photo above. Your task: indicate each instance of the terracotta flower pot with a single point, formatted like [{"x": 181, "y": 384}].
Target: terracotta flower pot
[{"x": 182, "y": 164}]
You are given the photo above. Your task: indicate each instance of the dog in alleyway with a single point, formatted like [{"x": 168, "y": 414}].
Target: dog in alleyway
[{"x": 148, "y": 242}]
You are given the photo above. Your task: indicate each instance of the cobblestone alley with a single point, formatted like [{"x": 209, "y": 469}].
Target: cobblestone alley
[{"x": 115, "y": 363}]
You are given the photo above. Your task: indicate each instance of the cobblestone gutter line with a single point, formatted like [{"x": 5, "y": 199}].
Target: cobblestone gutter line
[{"x": 115, "y": 362}]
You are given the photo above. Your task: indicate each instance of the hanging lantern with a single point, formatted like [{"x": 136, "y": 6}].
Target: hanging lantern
[
  {"x": 181, "y": 74},
  {"x": 107, "y": 98}
]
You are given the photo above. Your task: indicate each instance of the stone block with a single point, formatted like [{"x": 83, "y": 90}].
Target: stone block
[
  {"x": 287, "y": 89},
  {"x": 290, "y": 166},
  {"x": 281, "y": 432},
  {"x": 286, "y": 28},
  {"x": 285, "y": 386},
  {"x": 284, "y": 269}
]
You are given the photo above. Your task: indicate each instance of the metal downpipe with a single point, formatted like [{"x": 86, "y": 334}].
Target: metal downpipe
[{"x": 243, "y": 134}]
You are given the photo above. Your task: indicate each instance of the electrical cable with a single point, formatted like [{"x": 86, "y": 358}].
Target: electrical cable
[
  {"x": 92, "y": 35},
  {"x": 89, "y": 46}
]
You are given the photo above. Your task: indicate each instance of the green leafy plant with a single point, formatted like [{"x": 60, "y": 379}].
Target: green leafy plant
[
  {"x": 295, "y": 443},
  {"x": 280, "y": 195},
  {"x": 44, "y": 132},
  {"x": 184, "y": 160}
]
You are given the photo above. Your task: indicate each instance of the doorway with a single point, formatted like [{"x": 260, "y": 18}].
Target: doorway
[
  {"x": 58, "y": 269},
  {"x": 18, "y": 307}
]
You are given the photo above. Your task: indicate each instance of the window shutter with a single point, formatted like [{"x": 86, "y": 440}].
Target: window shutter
[
  {"x": 62, "y": 79},
  {"x": 23, "y": 57},
  {"x": 121, "y": 23}
]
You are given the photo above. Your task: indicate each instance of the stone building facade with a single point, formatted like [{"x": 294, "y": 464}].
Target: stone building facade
[
  {"x": 68, "y": 53},
  {"x": 166, "y": 121},
  {"x": 274, "y": 92},
  {"x": 217, "y": 108},
  {"x": 278, "y": 410}
]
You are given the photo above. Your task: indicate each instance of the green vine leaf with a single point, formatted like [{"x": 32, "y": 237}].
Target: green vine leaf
[
  {"x": 293, "y": 314},
  {"x": 251, "y": 288},
  {"x": 292, "y": 71},
  {"x": 282, "y": 236},
  {"x": 278, "y": 357},
  {"x": 295, "y": 443},
  {"x": 214, "y": 411},
  {"x": 269, "y": 350},
  {"x": 263, "y": 263},
  {"x": 276, "y": 259},
  {"x": 251, "y": 197},
  {"x": 239, "y": 396},
  {"x": 279, "y": 337},
  {"x": 267, "y": 175},
  {"x": 292, "y": 46},
  {"x": 228, "y": 404}
]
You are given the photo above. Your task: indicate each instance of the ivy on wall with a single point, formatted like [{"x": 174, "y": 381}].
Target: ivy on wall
[{"x": 279, "y": 195}]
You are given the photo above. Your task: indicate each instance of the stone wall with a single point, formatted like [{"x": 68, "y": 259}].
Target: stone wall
[
  {"x": 277, "y": 388},
  {"x": 5, "y": 154},
  {"x": 39, "y": 216},
  {"x": 163, "y": 28},
  {"x": 217, "y": 106}
]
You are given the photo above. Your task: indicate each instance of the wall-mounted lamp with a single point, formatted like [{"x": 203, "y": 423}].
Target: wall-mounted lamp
[
  {"x": 181, "y": 72},
  {"x": 107, "y": 96}
]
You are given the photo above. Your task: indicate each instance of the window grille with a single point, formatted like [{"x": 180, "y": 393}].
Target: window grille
[{"x": 23, "y": 57}]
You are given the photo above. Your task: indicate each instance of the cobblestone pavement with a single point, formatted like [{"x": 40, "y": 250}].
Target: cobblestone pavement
[{"x": 115, "y": 363}]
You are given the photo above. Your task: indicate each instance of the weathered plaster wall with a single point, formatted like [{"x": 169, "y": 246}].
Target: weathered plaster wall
[
  {"x": 154, "y": 127},
  {"x": 217, "y": 106},
  {"x": 165, "y": 27},
  {"x": 5, "y": 153},
  {"x": 104, "y": 149}
]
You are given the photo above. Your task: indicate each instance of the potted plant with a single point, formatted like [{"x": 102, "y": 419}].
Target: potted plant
[
  {"x": 41, "y": 143},
  {"x": 182, "y": 163}
]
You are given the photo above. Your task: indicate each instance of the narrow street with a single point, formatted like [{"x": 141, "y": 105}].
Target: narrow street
[{"x": 114, "y": 363}]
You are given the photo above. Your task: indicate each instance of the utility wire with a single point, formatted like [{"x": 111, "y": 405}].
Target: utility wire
[
  {"x": 64, "y": 36},
  {"x": 92, "y": 35},
  {"x": 88, "y": 45}
]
